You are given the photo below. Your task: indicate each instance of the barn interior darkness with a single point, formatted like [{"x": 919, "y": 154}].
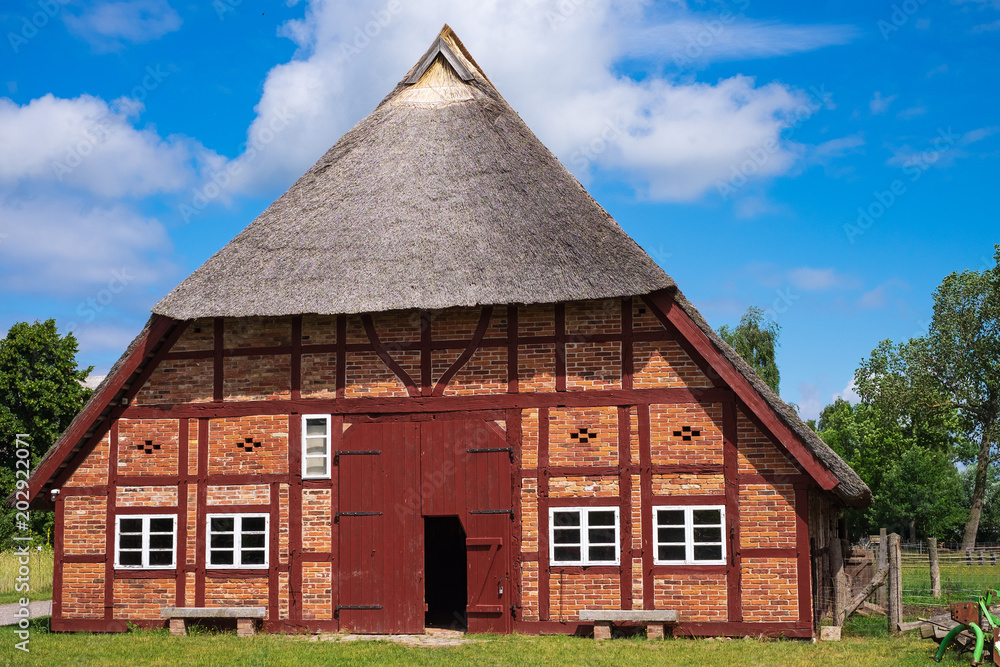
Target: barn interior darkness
[{"x": 444, "y": 572}]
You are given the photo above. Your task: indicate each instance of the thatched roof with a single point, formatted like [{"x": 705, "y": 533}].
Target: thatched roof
[{"x": 441, "y": 197}]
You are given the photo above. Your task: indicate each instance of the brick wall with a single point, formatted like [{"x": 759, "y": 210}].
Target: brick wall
[
  {"x": 317, "y": 591},
  {"x": 591, "y": 365},
  {"x": 583, "y": 487},
  {"x": 93, "y": 470},
  {"x": 757, "y": 454},
  {"x": 484, "y": 373},
  {"x": 227, "y": 445},
  {"x": 247, "y": 332},
  {"x": 319, "y": 329},
  {"x": 665, "y": 364},
  {"x": 569, "y": 593},
  {"x": 257, "y": 377},
  {"x": 767, "y": 515},
  {"x": 536, "y": 367},
  {"x": 368, "y": 376},
  {"x": 584, "y": 318},
  {"x": 83, "y": 590},
  {"x": 178, "y": 381},
  {"x": 529, "y": 438},
  {"x": 643, "y": 318},
  {"x": 147, "y": 447},
  {"x": 696, "y": 597},
  {"x": 769, "y": 590},
  {"x": 239, "y": 494},
  {"x": 566, "y": 446},
  {"x": 688, "y": 485},
  {"x": 316, "y": 520},
  {"x": 319, "y": 375},
  {"x": 198, "y": 336},
  {"x": 529, "y": 515},
  {"x": 86, "y": 523},
  {"x": 536, "y": 320},
  {"x": 236, "y": 592},
  {"x": 529, "y": 590},
  {"x": 143, "y": 598},
  {"x": 667, "y": 447},
  {"x": 146, "y": 496}
]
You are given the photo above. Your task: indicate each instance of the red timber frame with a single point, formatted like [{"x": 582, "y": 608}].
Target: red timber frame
[{"x": 425, "y": 400}]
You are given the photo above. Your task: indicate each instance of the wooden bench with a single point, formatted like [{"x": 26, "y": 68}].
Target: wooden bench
[
  {"x": 653, "y": 619},
  {"x": 244, "y": 617}
]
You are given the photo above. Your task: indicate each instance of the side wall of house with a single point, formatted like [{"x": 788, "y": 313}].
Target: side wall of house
[{"x": 612, "y": 407}]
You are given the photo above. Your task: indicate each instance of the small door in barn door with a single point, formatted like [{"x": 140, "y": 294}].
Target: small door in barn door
[
  {"x": 381, "y": 539},
  {"x": 489, "y": 530}
]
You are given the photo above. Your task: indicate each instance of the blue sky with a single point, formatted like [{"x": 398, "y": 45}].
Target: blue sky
[{"x": 829, "y": 162}]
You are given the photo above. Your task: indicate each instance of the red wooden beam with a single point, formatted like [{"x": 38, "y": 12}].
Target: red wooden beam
[
  {"x": 218, "y": 330},
  {"x": 512, "y": 343},
  {"x": 625, "y": 506},
  {"x": 411, "y": 387},
  {"x": 744, "y": 390},
  {"x": 560, "y": 346},
  {"x": 543, "y": 515},
  {"x": 110, "y": 531},
  {"x": 484, "y": 323},
  {"x": 296, "y": 385},
  {"x": 646, "y": 500},
  {"x": 803, "y": 571},
  {"x": 730, "y": 458}
]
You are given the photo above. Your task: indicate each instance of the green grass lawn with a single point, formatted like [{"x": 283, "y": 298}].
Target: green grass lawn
[
  {"x": 964, "y": 582},
  {"x": 865, "y": 644}
]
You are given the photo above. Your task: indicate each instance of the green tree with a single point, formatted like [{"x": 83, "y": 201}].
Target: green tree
[
  {"x": 41, "y": 391},
  {"x": 951, "y": 375},
  {"x": 755, "y": 339}
]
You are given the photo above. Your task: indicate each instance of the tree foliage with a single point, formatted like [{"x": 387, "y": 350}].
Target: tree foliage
[
  {"x": 755, "y": 339},
  {"x": 41, "y": 391}
]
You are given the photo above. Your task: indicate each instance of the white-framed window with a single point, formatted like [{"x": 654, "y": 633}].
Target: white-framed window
[
  {"x": 237, "y": 540},
  {"x": 583, "y": 535},
  {"x": 145, "y": 541},
  {"x": 316, "y": 446},
  {"x": 690, "y": 535}
]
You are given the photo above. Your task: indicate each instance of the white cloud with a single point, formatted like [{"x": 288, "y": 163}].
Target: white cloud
[
  {"x": 848, "y": 393},
  {"x": 879, "y": 104},
  {"x": 679, "y": 140},
  {"x": 879, "y": 296},
  {"x": 809, "y": 402},
  {"x": 88, "y": 144},
  {"x": 810, "y": 279},
  {"x": 107, "y": 24}
]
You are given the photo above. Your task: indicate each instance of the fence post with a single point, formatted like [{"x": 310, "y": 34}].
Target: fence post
[
  {"x": 840, "y": 592},
  {"x": 895, "y": 585},
  {"x": 935, "y": 567},
  {"x": 883, "y": 549}
]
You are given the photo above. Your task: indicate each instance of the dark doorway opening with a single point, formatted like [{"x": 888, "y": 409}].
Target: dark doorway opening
[{"x": 444, "y": 573}]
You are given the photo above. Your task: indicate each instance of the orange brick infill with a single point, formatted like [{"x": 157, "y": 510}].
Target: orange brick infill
[
  {"x": 316, "y": 591},
  {"x": 529, "y": 590},
  {"x": 643, "y": 318},
  {"x": 670, "y": 425},
  {"x": 583, "y": 487},
  {"x": 93, "y": 470},
  {"x": 316, "y": 520},
  {"x": 83, "y": 590},
  {"x": 283, "y": 527},
  {"x": 283, "y": 612},
  {"x": 85, "y": 526},
  {"x": 688, "y": 485},
  {"x": 569, "y": 594},
  {"x": 529, "y": 438},
  {"x": 664, "y": 364},
  {"x": 599, "y": 316},
  {"x": 245, "y": 332},
  {"x": 319, "y": 329},
  {"x": 146, "y": 496},
  {"x": 757, "y": 454},
  {"x": 583, "y": 436},
  {"x": 592, "y": 366},
  {"x": 266, "y": 437},
  {"x": 197, "y": 337},
  {"x": 767, "y": 515},
  {"x": 484, "y": 373},
  {"x": 770, "y": 590},
  {"x": 236, "y": 592},
  {"x": 178, "y": 381},
  {"x": 696, "y": 597},
  {"x": 147, "y": 447},
  {"x": 367, "y": 376},
  {"x": 529, "y": 515},
  {"x": 239, "y": 494},
  {"x": 454, "y": 323},
  {"x": 142, "y": 599},
  {"x": 319, "y": 375},
  {"x": 536, "y": 367},
  {"x": 536, "y": 320},
  {"x": 257, "y": 377}
]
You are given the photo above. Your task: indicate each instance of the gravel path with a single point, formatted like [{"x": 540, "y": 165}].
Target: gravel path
[{"x": 36, "y": 609}]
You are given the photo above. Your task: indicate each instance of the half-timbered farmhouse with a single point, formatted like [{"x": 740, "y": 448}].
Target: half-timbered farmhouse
[{"x": 436, "y": 383}]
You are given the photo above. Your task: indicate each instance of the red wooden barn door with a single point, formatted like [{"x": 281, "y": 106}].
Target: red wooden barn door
[
  {"x": 381, "y": 545},
  {"x": 488, "y": 487}
]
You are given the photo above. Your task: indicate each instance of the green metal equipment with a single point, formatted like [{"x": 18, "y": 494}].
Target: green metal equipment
[{"x": 977, "y": 618}]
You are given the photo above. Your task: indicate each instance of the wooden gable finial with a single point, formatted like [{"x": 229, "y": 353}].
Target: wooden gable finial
[{"x": 440, "y": 47}]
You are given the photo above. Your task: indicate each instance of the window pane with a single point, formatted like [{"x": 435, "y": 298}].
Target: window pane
[
  {"x": 602, "y": 553},
  {"x": 707, "y": 517},
  {"x": 315, "y": 446},
  {"x": 130, "y": 558},
  {"x": 566, "y": 518},
  {"x": 252, "y": 557},
  {"x": 223, "y": 541},
  {"x": 316, "y": 466},
  {"x": 707, "y": 534},
  {"x": 315, "y": 427},
  {"x": 601, "y": 519},
  {"x": 670, "y": 517},
  {"x": 670, "y": 534},
  {"x": 130, "y": 526},
  {"x": 221, "y": 558},
  {"x": 253, "y": 524},
  {"x": 130, "y": 541},
  {"x": 703, "y": 552},
  {"x": 161, "y": 525},
  {"x": 161, "y": 558},
  {"x": 671, "y": 552},
  {"x": 567, "y": 536},
  {"x": 223, "y": 524},
  {"x": 253, "y": 541},
  {"x": 161, "y": 541},
  {"x": 567, "y": 554},
  {"x": 602, "y": 535}
]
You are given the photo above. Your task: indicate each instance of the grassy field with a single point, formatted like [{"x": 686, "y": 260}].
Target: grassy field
[
  {"x": 963, "y": 581},
  {"x": 39, "y": 578},
  {"x": 865, "y": 643}
]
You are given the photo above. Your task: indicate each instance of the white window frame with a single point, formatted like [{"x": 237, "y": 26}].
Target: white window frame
[
  {"x": 689, "y": 542},
  {"x": 585, "y": 559},
  {"x": 329, "y": 454},
  {"x": 145, "y": 565},
  {"x": 237, "y": 563}
]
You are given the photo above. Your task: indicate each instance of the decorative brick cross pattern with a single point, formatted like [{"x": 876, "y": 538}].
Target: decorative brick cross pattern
[
  {"x": 147, "y": 447},
  {"x": 248, "y": 444},
  {"x": 583, "y": 435},
  {"x": 687, "y": 433}
]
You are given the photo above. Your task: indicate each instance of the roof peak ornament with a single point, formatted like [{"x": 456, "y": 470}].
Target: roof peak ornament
[{"x": 439, "y": 48}]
